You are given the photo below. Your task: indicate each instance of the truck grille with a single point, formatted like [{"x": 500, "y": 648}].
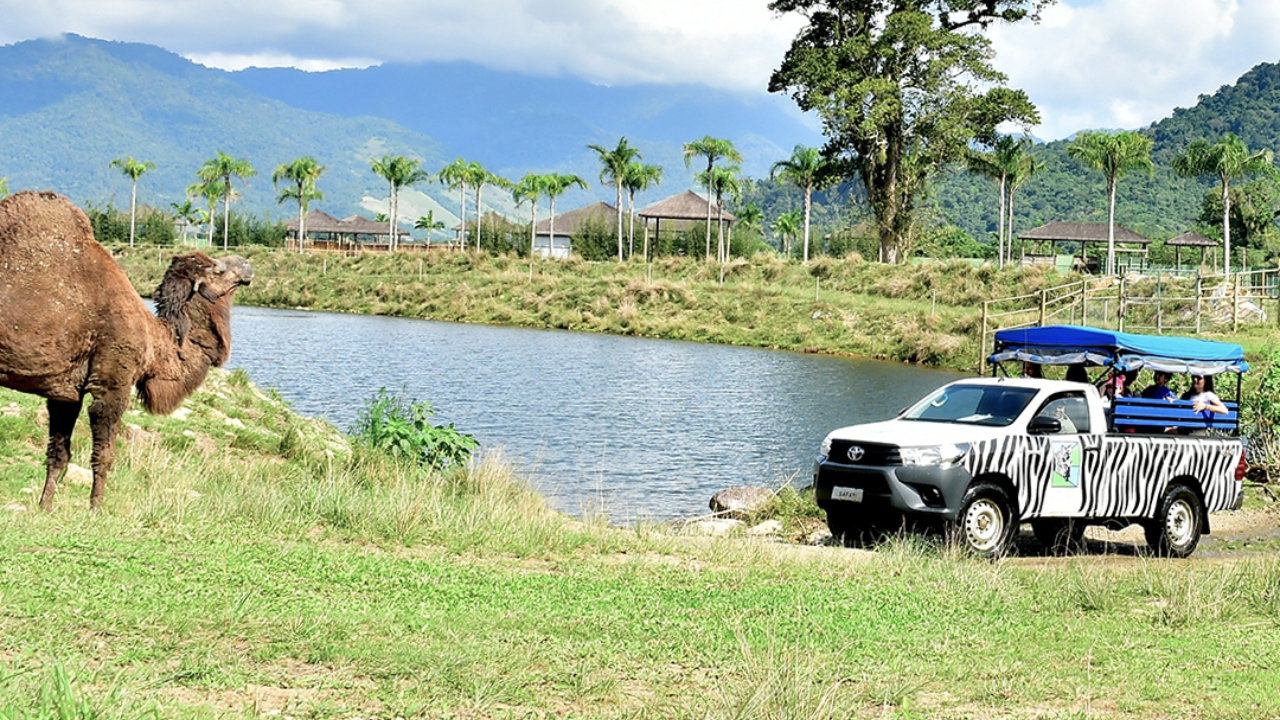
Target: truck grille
[
  {"x": 874, "y": 483},
  {"x": 874, "y": 454}
]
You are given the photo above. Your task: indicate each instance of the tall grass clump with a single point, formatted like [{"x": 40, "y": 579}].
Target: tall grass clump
[{"x": 56, "y": 693}]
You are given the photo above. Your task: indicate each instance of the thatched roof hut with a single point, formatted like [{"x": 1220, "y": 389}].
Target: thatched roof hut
[
  {"x": 1190, "y": 239},
  {"x": 688, "y": 205},
  {"x": 1083, "y": 233}
]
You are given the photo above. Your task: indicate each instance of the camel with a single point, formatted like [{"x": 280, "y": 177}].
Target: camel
[{"x": 72, "y": 325}]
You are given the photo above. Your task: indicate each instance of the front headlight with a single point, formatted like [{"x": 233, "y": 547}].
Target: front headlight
[
  {"x": 933, "y": 455},
  {"x": 824, "y": 450}
]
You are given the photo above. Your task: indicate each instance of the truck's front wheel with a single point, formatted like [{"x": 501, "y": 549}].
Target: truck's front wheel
[
  {"x": 985, "y": 525},
  {"x": 1175, "y": 531}
]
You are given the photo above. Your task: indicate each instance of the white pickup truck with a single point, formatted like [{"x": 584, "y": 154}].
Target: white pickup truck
[{"x": 984, "y": 455}]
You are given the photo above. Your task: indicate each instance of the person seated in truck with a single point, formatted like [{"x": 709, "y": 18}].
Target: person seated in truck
[
  {"x": 1160, "y": 391},
  {"x": 1077, "y": 373},
  {"x": 1057, "y": 409},
  {"x": 1202, "y": 396},
  {"x": 1031, "y": 370}
]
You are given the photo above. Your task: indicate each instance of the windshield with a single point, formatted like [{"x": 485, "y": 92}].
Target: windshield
[{"x": 972, "y": 404}]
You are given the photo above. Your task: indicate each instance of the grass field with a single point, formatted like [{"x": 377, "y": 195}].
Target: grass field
[{"x": 253, "y": 563}]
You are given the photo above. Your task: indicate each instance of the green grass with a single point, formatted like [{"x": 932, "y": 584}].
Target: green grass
[{"x": 276, "y": 569}]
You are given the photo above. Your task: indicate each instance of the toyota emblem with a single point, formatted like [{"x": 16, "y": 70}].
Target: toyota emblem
[{"x": 856, "y": 452}]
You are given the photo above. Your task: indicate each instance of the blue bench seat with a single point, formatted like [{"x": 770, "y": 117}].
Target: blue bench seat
[{"x": 1147, "y": 415}]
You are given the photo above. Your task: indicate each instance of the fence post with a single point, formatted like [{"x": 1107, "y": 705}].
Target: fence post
[
  {"x": 1084, "y": 303},
  {"x": 1043, "y": 291},
  {"x": 982, "y": 342},
  {"x": 1120, "y": 306},
  {"x": 1235, "y": 306},
  {"x": 1199, "y": 292},
  {"x": 1159, "y": 308}
]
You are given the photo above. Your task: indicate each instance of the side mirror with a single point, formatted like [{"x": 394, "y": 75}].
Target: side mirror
[{"x": 1044, "y": 426}]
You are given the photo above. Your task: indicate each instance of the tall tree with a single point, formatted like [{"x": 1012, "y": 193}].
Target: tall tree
[
  {"x": 455, "y": 176},
  {"x": 1228, "y": 159},
  {"x": 225, "y": 168},
  {"x": 530, "y": 188},
  {"x": 399, "y": 172},
  {"x": 712, "y": 149},
  {"x": 722, "y": 181},
  {"x": 997, "y": 164},
  {"x": 809, "y": 171},
  {"x": 614, "y": 170},
  {"x": 895, "y": 83},
  {"x": 211, "y": 191},
  {"x": 189, "y": 214},
  {"x": 479, "y": 177},
  {"x": 133, "y": 170},
  {"x": 556, "y": 185},
  {"x": 1023, "y": 168},
  {"x": 1115, "y": 154},
  {"x": 301, "y": 176},
  {"x": 638, "y": 177}
]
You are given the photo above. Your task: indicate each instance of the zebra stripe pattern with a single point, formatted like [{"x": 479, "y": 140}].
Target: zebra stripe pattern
[{"x": 1121, "y": 475}]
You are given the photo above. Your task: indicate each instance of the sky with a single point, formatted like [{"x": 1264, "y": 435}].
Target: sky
[{"x": 1089, "y": 64}]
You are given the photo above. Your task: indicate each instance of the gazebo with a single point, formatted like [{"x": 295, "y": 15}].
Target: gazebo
[
  {"x": 684, "y": 211},
  {"x": 1083, "y": 233},
  {"x": 1190, "y": 239}
]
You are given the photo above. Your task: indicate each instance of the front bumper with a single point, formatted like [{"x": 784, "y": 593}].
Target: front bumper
[{"x": 934, "y": 491}]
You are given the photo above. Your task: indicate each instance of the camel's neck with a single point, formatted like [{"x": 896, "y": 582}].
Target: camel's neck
[{"x": 179, "y": 368}]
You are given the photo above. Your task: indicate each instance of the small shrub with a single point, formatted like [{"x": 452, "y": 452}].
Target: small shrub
[{"x": 403, "y": 429}]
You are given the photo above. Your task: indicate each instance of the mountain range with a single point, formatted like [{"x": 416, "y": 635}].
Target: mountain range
[{"x": 69, "y": 105}]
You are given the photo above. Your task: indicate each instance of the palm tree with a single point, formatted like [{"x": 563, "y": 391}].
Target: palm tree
[
  {"x": 750, "y": 218},
  {"x": 1228, "y": 159},
  {"x": 787, "y": 225},
  {"x": 211, "y": 190},
  {"x": 428, "y": 222},
  {"x": 809, "y": 171},
  {"x": 189, "y": 214},
  {"x": 712, "y": 149},
  {"x": 133, "y": 170},
  {"x": 1005, "y": 158},
  {"x": 399, "y": 171},
  {"x": 638, "y": 177},
  {"x": 614, "y": 170},
  {"x": 479, "y": 177},
  {"x": 722, "y": 180},
  {"x": 531, "y": 187},
  {"x": 1024, "y": 166},
  {"x": 302, "y": 173},
  {"x": 555, "y": 186},
  {"x": 1115, "y": 154},
  {"x": 456, "y": 175},
  {"x": 224, "y": 168}
]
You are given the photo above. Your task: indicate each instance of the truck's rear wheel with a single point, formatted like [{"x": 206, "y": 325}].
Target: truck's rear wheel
[
  {"x": 1061, "y": 536},
  {"x": 1176, "y": 529},
  {"x": 986, "y": 524}
]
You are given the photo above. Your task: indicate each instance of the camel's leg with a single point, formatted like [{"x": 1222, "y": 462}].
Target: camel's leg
[
  {"x": 104, "y": 419},
  {"x": 62, "y": 420}
]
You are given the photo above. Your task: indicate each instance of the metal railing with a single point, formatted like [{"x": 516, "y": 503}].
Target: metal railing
[{"x": 1152, "y": 304}]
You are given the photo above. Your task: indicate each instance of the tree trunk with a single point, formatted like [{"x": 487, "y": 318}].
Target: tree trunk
[
  {"x": 1226, "y": 229},
  {"x": 479, "y": 215},
  {"x": 462, "y": 195},
  {"x": 226, "y": 215},
  {"x": 710, "y": 163},
  {"x": 1111, "y": 226},
  {"x": 302, "y": 225},
  {"x": 808, "y": 208},
  {"x": 618, "y": 207},
  {"x": 533, "y": 228},
  {"x": 1000, "y": 228},
  {"x": 1008, "y": 228},
  {"x": 551, "y": 241},
  {"x": 133, "y": 212},
  {"x": 631, "y": 225}
]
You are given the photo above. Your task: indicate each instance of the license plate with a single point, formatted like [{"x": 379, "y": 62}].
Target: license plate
[{"x": 846, "y": 494}]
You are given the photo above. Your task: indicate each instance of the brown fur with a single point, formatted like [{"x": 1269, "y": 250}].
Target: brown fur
[{"x": 71, "y": 325}]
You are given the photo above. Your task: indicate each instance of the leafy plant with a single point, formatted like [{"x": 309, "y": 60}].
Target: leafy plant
[{"x": 403, "y": 429}]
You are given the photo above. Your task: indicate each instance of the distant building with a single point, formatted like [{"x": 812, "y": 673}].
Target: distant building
[
  {"x": 567, "y": 225},
  {"x": 325, "y": 232}
]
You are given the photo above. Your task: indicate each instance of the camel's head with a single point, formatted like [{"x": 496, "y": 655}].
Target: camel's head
[{"x": 198, "y": 278}]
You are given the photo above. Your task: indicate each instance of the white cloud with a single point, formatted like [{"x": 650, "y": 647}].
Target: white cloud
[
  {"x": 1088, "y": 64},
  {"x": 1128, "y": 63}
]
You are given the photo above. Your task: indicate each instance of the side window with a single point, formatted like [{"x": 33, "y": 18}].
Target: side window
[{"x": 1070, "y": 410}]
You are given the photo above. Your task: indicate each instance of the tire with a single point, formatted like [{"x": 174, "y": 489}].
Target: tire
[
  {"x": 986, "y": 524},
  {"x": 1060, "y": 536},
  {"x": 1176, "y": 529}
]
